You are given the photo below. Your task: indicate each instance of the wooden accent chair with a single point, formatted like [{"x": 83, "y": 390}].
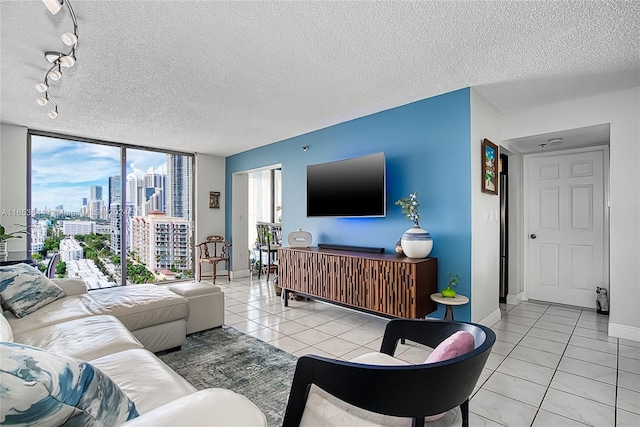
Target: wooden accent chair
[
  {"x": 219, "y": 253},
  {"x": 391, "y": 388}
]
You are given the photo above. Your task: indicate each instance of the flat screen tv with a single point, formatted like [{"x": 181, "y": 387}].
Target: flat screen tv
[{"x": 347, "y": 188}]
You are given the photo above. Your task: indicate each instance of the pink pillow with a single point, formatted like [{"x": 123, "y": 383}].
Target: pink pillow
[{"x": 457, "y": 344}]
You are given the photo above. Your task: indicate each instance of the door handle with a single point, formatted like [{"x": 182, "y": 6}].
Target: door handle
[{"x": 533, "y": 236}]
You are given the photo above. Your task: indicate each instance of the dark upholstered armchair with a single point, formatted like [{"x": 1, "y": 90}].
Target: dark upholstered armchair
[{"x": 412, "y": 392}]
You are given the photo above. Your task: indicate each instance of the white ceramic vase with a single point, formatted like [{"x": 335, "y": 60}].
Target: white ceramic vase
[{"x": 416, "y": 243}]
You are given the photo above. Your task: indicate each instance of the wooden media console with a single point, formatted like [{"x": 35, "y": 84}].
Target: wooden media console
[{"x": 379, "y": 283}]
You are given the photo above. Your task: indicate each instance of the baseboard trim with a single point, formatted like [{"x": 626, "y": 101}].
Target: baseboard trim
[
  {"x": 491, "y": 319},
  {"x": 623, "y": 331},
  {"x": 237, "y": 274},
  {"x": 515, "y": 299}
]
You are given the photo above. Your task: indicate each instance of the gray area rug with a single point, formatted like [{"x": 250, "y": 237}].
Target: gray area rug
[{"x": 227, "y": 358}]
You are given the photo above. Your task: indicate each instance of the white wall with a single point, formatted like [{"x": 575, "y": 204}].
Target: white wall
[
  {"x": 210, "y": 175},
  {"x": 240, "y": 225},
  {"x": 13, "y": 182},
  {"x": 485, "y": 219},
  {"x": 622, "y": 110}
]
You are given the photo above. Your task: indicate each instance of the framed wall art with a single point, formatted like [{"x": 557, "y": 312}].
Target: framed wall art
[
  {"x": 489, "y": 167},
  {"x": 214, "y": 200}
]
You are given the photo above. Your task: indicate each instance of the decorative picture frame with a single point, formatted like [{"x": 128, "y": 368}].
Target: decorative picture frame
[
  {"x": 489, "y": 158},
  {"x": 214, "y": 200}
]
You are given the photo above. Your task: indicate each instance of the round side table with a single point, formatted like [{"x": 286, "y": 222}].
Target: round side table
[{"x": 449, "y": 303}]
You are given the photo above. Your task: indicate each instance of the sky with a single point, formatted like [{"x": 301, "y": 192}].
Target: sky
[{"x": 62, "y": 171}]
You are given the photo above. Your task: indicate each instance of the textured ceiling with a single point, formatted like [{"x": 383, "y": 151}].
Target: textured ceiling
[{"x": 222, "y": 77}]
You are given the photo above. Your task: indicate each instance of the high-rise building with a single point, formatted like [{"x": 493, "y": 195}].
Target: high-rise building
[
  {"x": 96, "y": 192},
  {"x": 115, "y": 191},
  {"x": 162, "y": 242},
  {"x": 84, "y": 201},
  {"x": 179, "y": 174},
  {"x": 70, "y": 250},
  {"x": 71, "y": 228}
]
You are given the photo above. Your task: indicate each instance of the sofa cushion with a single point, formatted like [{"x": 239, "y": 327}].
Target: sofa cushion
[
  {"x": 457, "y": 344},
  {"x": 6, "y": 333},
  {"x": 24, "y": 289},
  {"x": 39, "y": 387},
  {"x": 87, "y": 338},
  {"x": 140, "y": 306},
  {"x": 147, "y": 380},
  {"x": 62, "y": 310}
]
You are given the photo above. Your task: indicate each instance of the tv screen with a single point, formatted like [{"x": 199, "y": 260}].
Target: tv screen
[{"x": 347, "y": 188}]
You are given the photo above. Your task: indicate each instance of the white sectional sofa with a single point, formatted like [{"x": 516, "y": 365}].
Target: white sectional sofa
[{"x": 112, "y": 330}]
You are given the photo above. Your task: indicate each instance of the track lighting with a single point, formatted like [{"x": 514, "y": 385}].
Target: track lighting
[
  {"x": 58, "y": 59},
  {"x": 67, "y": 61},
  {"x": 69, "y": 39},
  {"x": 54, "y": 75},
  {"x": 54, "y": 6}
]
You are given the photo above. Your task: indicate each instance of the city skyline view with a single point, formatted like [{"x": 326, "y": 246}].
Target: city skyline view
[{"x": 63, "y": 171}]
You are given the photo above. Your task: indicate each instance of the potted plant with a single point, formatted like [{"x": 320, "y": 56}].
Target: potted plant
[
  {"x": 4, "y": 236},
  {"x": 448, "y": 292}
]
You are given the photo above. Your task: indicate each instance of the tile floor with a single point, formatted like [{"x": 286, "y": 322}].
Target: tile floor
[{"x": 551, "y": 365}]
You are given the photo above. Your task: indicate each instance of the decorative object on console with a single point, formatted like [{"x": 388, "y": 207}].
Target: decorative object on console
[
  {"x": 58, "y": 59},
  {"x": 399, "y": 250},
  {"x": 416, "y": 242},
  {"x": 449, "y": 292},
  {"x": 299, "y": 239},
  {"x": 489, "y": 167}
]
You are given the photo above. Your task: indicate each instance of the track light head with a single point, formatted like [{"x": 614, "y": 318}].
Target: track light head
[
  {"x": 54, "y": 6},
  {"x": 69, "y": 39},
  {"x": 55, "y": 75},
  {"x": 67, "y": 61},
  {"x": 42, "y": 87},
  {"x": 54, "y": 113},
  {"x": 42, "y": 101}
]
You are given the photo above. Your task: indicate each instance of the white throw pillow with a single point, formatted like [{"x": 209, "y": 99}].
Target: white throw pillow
[
  {"x": 42, "y": 388},
  {"x": 24, "y": 289}
]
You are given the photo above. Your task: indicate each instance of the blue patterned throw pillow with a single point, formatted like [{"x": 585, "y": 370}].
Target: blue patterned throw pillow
[
  {"x": 24, "y": 289},
  {"x": 42, "y": 388}
]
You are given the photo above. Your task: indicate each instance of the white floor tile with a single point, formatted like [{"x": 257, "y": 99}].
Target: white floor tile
[
  {"x": 604, "y": 346},
  {"x": 355, "y": 353},
  {"x": 288, "y": 344},
  {"x": 501, "y": 409},
  {"x": 593, "y": 334},
  {"x": 525, "y": 321},
  {"x": 558, "y": 319},
  {"x": 578, "y": 408},
  {"x": 289, "y": 328},
  {"x": 629, "y": 400},
  {"x": 588, "y": 370},
  {"x": 515, "y": 388},
  {"x": 627, "y": 419},
  {"x": 630, "y": 343},
  {"x": 527, "y": 371},
  {"x": 549, "y": 335},
  {"x": 477, "y": 420},
  {"x": 266, "y": 334},
  {"x": 314, "y": 351},
  {"x": 629, "y": 381},
  {"x": 493, "y": 361},
  {"x": 584, "y": 387},
  {"x": 270, "y": 320},
  {"x": 337, "y": 346},
  {"x": 525, "y": 313},
  {"x": 552, "y": 326},
  {"x": 502, "y": 348},
  {"x": 549, "y": 419},
  {"x": 311, "y": 336},
  {"x": 509, "y": 337},
  {"x": 247, "y": 326},
  {"x": 593, "y": 356},
  {"x": 537, "y": 357},
  {"x": 629, "y": 365},
  {"x": 543, "y": 344},
  {"x": 334, "y": 328},
  {"x": 630, "y": 352},
  {"x": 564, "y": 312},
  {"x": 506, "y": 325},
  {"x": 360, "y": 336}
]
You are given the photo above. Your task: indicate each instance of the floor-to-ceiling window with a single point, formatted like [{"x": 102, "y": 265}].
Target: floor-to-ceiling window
[{"x": 108, "y": 213}]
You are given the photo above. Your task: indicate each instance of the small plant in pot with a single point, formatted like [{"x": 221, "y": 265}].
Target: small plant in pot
[{"x": 448, "y": 292}]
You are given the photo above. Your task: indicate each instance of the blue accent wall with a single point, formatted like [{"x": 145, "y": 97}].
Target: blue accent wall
[{"x": 427, "y": 148}]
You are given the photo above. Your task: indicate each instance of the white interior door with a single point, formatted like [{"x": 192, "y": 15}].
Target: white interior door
[{"x": 566, "y": 223}]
